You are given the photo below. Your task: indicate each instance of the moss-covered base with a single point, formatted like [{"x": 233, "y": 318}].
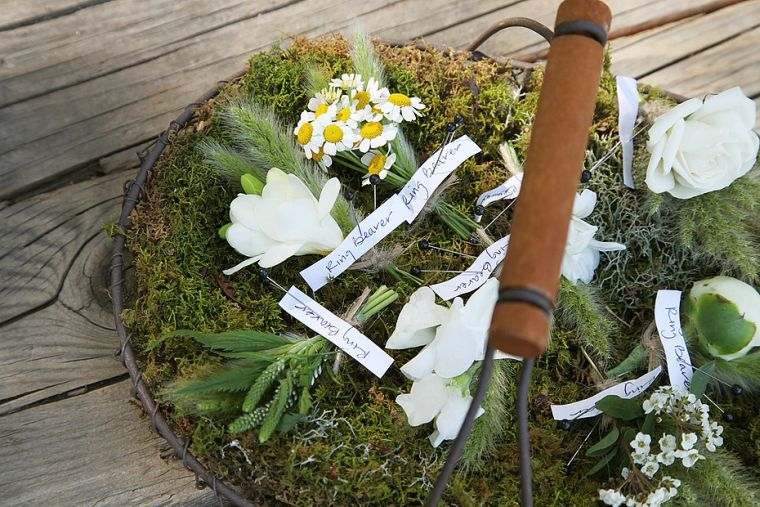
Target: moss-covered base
[{"x": 357, "y": 445}]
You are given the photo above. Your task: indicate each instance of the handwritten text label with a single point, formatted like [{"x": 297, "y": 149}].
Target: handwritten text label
[
  {"x": 429, "y": 176},
  {"x": 476, "y": 275},
  {"x": 359, "y": 241},
  {"x": 587, "y": 408},
  {"x": 338, "y": 331},
  {"x": 667, "y": 316},
  {"x": 507, "y": 190},
  {"x": 628, "y": 106}
]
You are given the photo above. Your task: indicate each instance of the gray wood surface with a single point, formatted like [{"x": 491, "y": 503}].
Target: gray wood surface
[{"x": 86, "y": 83}]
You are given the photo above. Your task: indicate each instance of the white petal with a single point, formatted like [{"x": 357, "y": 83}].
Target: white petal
[
  {"x": 449, "y": 421},
  {"x": 246, "y": 241},
  {"x": 243, "y": 210},
  {"x": 666, "y": 121},
  {"x": 457, "y": 347},
  {"x": 584, "y": 203},
  {"x": 329, "y": 195},
  {"x": 479, "y": 307},
  {"x": 419, "y": 313},
  {"x": 420, "y": 365},
  {"x": 425, "y": 400},
  {"x": 278, "y": 254}
]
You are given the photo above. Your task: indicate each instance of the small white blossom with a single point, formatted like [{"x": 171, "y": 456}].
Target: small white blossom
[
  {"x": 667, "y": 442},
  {"x": 689, "y": 458},
  {"x": 625, "y": 472},
  {"x": 650, "y": 467},
  {"x": 611, "y": 497},
  {"x": 688, "y": 440},
  {"x": 641, "y": 443}
]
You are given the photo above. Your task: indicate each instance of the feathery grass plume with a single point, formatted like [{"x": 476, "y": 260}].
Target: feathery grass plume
[
  {"x": 579, "y": 308},
  {"x": 365, "y": 59},
  {"x": 267, "y": 142},
  {"x": 498, "y": 416},
  {"x": 721, "y": 479},
  {"x": 316, "y": 79},
  {"x": 719, "y": 226},
  {"x": 228, "y": 163}
]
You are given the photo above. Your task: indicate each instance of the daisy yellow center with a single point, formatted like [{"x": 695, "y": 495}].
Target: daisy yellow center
[
  {"x": 399, "y": 99},
  {"x": 321, "y": 109},
  {"x": 371, "y": 129},
  {"x": 377, "y": 164},
  {"x": 317, "y": 156},
  {"x": 376, "y": 109},
  {"x": 344, "y": 114},
  {"x": 304, "y": 133},
  {"x": 362, "y": 99},
  {"x": 333, "y": 133}
]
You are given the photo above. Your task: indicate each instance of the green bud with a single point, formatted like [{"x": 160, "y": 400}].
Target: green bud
[
  {"x": 223, "y": 230},
  {"x": 251, "y": 184},
  {"x": 725, "y": 314}
]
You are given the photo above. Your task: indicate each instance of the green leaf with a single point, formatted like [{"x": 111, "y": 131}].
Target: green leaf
[
  {"x": 603, "y": 462},
  {"x": 602, "y": 445},
  {"x": 720, "y": 325},
  {"x": 276, "y": 409},
  {"x": 701, "y": 378},
  {"x": 304, "y": 402},
  {"x": 261, "y": 385},
  {"x": 242, "y": 340},
  {"x": 247, "y": 421},
  {"x": 289, "y": 421},
  {"x": 620, "y": 408},
  {"x": 233, "y": 378},
  {"x": 648, "y": 426}
]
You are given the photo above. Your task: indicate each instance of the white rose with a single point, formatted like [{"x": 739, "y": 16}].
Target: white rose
[{"x": 700, "y": 146}]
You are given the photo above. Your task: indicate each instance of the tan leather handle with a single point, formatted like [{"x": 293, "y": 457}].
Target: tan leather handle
[{"x": 530, "y": 276}]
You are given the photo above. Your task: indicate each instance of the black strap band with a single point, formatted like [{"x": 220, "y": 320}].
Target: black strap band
[
  {"x": 526, "y": 295},
  {"x": 582, "y": 27}
]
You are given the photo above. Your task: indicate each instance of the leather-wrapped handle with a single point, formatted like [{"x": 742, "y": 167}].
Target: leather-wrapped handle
[{"x": 530, "y": 276}]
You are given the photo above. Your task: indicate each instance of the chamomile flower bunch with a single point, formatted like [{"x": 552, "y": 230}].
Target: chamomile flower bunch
[
  {"x": 353, "y": 115},
  {"x": 694, "y": 435}
]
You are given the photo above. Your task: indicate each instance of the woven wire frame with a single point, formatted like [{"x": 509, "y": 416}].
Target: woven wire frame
[{"x": 134, "y": 191}]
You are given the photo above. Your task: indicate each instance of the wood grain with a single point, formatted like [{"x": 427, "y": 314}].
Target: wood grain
[{"x": 93, "y": 449}]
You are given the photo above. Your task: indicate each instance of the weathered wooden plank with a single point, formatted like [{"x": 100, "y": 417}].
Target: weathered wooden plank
[
  {"x": 45, "y": 234},
  {"x": 90, "y": 449},
  {"x": 642, "y": 54},
  {"x": 14, "y": 14},
  {"x": 518, "y": 41}
]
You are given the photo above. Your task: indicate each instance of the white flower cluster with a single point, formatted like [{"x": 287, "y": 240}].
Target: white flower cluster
[
  {"x": 689, "y": 415},
  {"x": 354, "y": 114}
]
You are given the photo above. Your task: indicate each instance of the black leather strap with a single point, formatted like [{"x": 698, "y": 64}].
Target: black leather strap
[
  {"x": 582, "y": 27},
  {"x": 526, "y": 295}
]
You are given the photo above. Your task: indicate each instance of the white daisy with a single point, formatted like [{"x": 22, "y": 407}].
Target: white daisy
[
  {"x": 348, "y": 81},
  {"x": 338, "y": 137},
  {"x": 377, "y": 163},
  {"x": 400, "y": 107},
  {"x": 346, "y": 113},
  {"x": 372, "y": 94},
  {"x": 374, "y": 134},
  {"x": 308, "y": 137},
  {"x": 323, "y": 102},
  {"x": 322, "y": 159}
]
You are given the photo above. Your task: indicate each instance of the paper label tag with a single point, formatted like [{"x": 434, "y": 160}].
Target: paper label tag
[
  {"x": 667, "y": 316},
  {"x": 507, "y": 190},
  {"x": 587, "y": 408},
  {"x": 428, "y": 177},
  {"x": 359, "y": 241},
  {"x": 628, "y": 107},
  {"x": 476, "y": 275},
  {"x": 338, "y": 331}
]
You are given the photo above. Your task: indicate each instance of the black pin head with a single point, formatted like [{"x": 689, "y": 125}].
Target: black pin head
[
  {"x": 451, "y": 127},
  {"x": 473, "y": 239},
  {"x": 478, "y": 210},
  {"x": 728, "y": 417},
  {"x": 569, "y": 468},
  {"x": 458, "y": 121},
  {"x": 565, "y": 424},
  {"x": 374, "y": 179},
  {"x": 415, "y": 271},
  {"x": 585, "y": 176},
  {"x": 264, "y": 274},
  {"x": 350, "y": 194},
  {"x": 424, "y": 244},
  {"x": 737, "y": 390}
]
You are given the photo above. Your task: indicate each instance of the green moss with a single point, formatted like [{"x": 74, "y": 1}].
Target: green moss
[{"x": 357, "y": 446}]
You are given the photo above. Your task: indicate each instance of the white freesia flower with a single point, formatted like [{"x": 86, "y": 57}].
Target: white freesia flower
[
  {"x": 582, "y": 250},
  {"x": 285, "y": 220},
  {"x": 400, "y": 107},
  {"x": 377, "y": 163},
  {"x": 434, "y": 397},
  {"x": 702, "y": 145},
  {"x": 459, "y": 340}
]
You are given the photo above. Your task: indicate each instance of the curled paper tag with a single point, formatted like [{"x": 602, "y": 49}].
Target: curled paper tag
[
  {"x": 667, "y": 316},
  {"x": 507, "y": 190},
  {"x": 628, "y": 106},
  {"x": 336, "y": 330},
  {"x": 359, "y": 241},
  {"x": 476, "y": 275},
  {"x": 587, "y": 408},
  {"x": 429, "y": 176}
]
